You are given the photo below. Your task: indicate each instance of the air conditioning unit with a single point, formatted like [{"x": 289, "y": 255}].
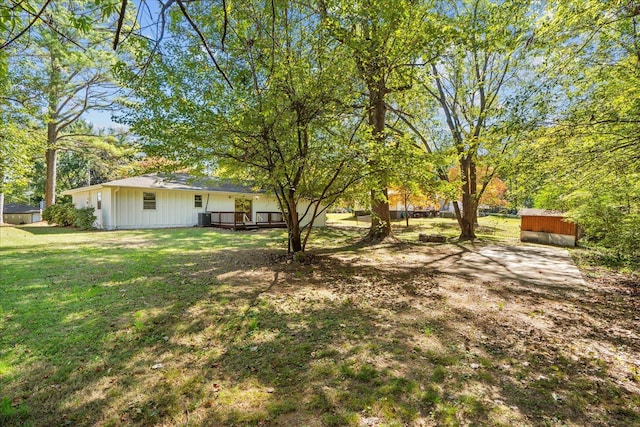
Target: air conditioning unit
[{"x": 204, "y": 219}]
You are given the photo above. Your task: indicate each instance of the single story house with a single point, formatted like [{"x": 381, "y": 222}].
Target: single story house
[
  {"x": 179, "y": 200},
  {"x": 15, "y": 213},
  {"x": 547, "y": 227}
]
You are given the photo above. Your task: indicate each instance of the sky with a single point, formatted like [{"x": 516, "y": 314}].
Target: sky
[
  {"x": 148, "y": 11},
  {"x": 101, "y": 119}
]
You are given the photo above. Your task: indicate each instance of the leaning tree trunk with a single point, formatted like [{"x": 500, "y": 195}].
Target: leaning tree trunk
[{"x": 380, "y": 216}]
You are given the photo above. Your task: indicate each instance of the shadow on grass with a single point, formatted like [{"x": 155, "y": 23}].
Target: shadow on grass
[
  {"x": 125, "y": 354},
  {"x": 172, "y": 333},
  {"x": 49, "y": 230},
  {"x": 543, "y": 374}
]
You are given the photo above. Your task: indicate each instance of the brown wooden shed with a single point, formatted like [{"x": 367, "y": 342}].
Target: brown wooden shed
[{"x": 547, "y": 227}]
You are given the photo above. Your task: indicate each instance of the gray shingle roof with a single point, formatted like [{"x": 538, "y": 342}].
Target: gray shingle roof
[
  {"x": 181, "y": 181},
  {"x": 16, "y": 208}
]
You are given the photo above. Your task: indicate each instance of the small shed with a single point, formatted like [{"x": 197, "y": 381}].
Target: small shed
[
  {"x": 547, "y": 227},
  {"x": 15, "y": 213}
]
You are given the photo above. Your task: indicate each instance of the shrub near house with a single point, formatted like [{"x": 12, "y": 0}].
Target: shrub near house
[{"x": 67, "y": 215}]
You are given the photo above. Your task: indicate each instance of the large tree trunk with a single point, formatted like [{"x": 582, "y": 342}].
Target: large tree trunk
[
  {"x": 51, "y": 156},
  {"x": 468, "y": 217},
  {"x": 380, "y": 216},
  {"x": 467, "y": 226},
  {"x": 293, "y": 225}
]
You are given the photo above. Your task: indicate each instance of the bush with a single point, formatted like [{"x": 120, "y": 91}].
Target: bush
[
  {"x": 84, "y": 218},
  {"x": 607, "y": 225},
  {"x": 62, "y": 214},
  {"x": 66, "y": 215}
]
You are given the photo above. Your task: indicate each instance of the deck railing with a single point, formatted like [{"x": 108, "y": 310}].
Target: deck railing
[
  {"x": 269, "y": 218},
  {"x": 241, "y": 219},
  {"x": 226, "y": 218}
]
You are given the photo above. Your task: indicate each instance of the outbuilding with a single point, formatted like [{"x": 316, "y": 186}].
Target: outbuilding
[
  {"x": 547, "y": 227},
  {"x": 15, "y": 213}
]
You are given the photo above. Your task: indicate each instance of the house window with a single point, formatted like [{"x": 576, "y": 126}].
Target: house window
[
  {"x": 148, "y": 201},
  {"x": 99, "y": 200},
  {"x": 198, "y": 201}
]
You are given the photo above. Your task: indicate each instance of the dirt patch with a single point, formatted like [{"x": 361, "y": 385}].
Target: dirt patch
[{"x": 504, "y": 334}]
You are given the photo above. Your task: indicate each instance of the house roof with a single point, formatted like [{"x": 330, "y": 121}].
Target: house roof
[
  {"x": 16, "y": 208},
  {"x": 178, "y": 181},
  {"x": 541, "y": 212}
]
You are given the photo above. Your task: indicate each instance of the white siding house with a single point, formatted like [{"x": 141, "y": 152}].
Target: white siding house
[{"x": 157, "y": 201}]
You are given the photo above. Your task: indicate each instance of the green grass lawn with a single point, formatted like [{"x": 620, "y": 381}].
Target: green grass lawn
[
  {"x": 81, "y": 306},
  {"x": 490, "y": 227},
  {"x": 210, "y": 327}
]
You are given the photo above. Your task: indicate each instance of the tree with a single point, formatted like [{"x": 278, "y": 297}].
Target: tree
[
  {"x": 495, "y": 193},
  {"x": 385, "y": 40},
  {"x": 479, "y": 86},
  {"x": 415, "y": 179},
  {"x": 589, "y": 156},
  {"x": 18, "y": 143},
  {"x": 277, "y": 118},
  {"x": 410, "y": 193},
  {"x": 61, "y": 72},
  {"x": 18, "y": 18},
  {"x": 18, "y": 147}
]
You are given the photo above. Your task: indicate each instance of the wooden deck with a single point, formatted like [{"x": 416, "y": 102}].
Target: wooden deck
[{"x": 241, "y": 221}]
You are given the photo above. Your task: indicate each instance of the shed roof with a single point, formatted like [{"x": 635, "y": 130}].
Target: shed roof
[
  {"x": 177, "y": 181},
  {"x": 541, "y": 212},
  {"x": 17, "y": 208}
]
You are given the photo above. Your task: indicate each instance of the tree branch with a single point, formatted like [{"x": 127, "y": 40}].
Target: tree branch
[
  {"x": 33, "y": 21},
  {"x": 225, "y": 23},
  {"x": 116, "y": 38},
  {"x": 203, "y": 40}
]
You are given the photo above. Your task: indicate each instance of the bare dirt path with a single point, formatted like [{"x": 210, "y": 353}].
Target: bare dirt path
[{"x": 524, "y": 264}]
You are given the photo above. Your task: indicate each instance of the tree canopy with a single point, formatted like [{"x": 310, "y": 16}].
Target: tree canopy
[
  {"x": 537, "y": 102},
  {"x": 588, "y": 156},
  {"x": 277, "y": 117}
]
